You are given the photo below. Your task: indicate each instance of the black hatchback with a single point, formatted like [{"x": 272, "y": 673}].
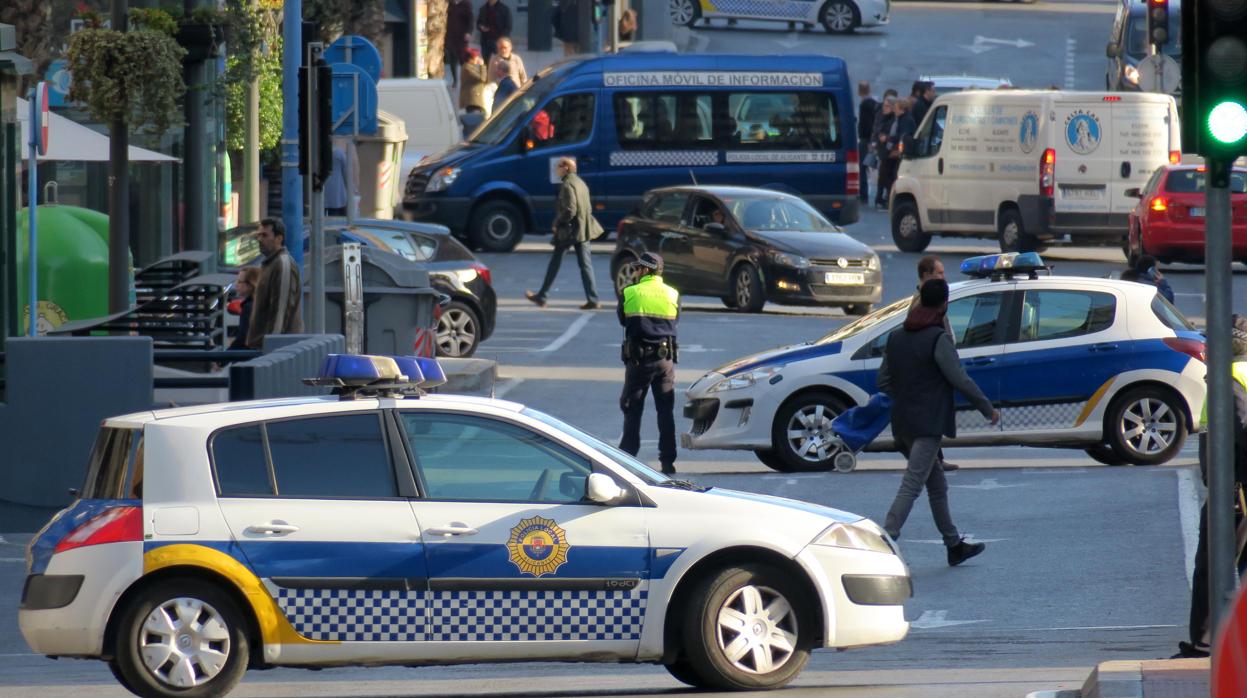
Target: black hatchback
[{"x": 747, "y": 246}]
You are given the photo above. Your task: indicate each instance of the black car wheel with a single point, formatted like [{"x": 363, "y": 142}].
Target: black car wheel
[
  {"x": 747, "y": 289},
  {"x": 1146, "y": 425},
  {"x": 801, "y": 434},
  {"x": 624, "y": 272},
  {"x": 857, "y": 309},
  {"x": 458, "y": 331},
  {"x": 907, "y": 232},
  {"x": 839, "y": 17},
  {"x": 497, "y": 226}
]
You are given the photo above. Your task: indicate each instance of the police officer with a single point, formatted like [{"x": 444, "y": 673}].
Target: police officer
[{"x": 649, "y": 311}]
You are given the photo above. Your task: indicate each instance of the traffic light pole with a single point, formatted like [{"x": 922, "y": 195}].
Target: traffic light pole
[
  {"x": 1222, "y": 535},
  {"x": 315, "y": 265}
]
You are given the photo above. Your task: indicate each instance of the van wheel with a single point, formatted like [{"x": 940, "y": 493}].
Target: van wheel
[
  {"x": 839, "y": 17},
  {"x": 907, "y": 228},
  {"x": 497, "y": 226},
  {"x": 1145, "y": 425},
  {"x": 747, "y": 289},
  {"x": 1012, "y": 233},
  {"x": 684, "y": 13}
]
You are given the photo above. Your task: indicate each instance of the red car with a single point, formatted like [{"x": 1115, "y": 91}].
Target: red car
[{"x": 1168, "y": 221}]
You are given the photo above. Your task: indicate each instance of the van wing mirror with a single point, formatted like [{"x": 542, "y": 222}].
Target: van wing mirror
[
  {"x": 1111, "y": 50},
  {"x": 1134, "y": 193},
  {"x": 526, "y": 138}
]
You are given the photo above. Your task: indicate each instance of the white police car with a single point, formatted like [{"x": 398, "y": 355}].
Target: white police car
[
  {"x": 375, "y": 529},
  {"x": 1104, "y": 365}
]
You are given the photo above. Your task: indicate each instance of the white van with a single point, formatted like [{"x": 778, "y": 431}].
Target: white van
[
  {"x": 1030, "y": 166},
  {"x": 429, "y": 115}
]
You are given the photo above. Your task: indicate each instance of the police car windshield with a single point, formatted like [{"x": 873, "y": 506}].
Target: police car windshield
[
  {"x": 866, "y": 322},
  {"x": 499, "y": 126},
  {"x": 624, "y": 460}
]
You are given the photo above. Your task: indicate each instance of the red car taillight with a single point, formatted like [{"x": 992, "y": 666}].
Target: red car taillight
[
  {"x": 1047, "y": 172},
  {"x": 1158, "y": 204},
  {"x": 484, "y": 273},
  {"x": 852, "y": 174},
  {"x": 1191, "y": 347},
  {"x": 117, "y": 525}
]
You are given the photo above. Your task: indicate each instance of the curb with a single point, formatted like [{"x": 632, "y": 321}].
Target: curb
[
  {"x": 468, "y": 375},
  {"x": 1157, "y": 678}
]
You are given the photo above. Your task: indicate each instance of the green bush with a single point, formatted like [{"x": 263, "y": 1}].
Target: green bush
[{"x": 133, "y": 76}]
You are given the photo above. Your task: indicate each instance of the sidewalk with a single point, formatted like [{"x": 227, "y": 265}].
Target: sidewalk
[{"x": 1158, "y": 678}]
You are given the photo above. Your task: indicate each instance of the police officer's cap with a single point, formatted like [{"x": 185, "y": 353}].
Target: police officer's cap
[{"x": 651, "y": 261}]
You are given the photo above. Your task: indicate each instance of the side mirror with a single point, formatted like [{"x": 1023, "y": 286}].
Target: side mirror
[
  {"x": 1111, "y": 50},
  {"x": 713, "y": 227},
  {"x": 526, "y": 139},
  {"x": 1134, "y": 193},
  {"x": 602, "y": 489}
]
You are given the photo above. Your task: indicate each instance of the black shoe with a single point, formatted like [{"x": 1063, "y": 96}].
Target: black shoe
[
  {"x": 948, "y": 467},
  {"x": 536, "y": 299},
  {"x": 591, "y": 305},
  {"x": 1188, "y": 650},
  {"x": 668, "y": 469},
  {"x": 963, "y": 551}
]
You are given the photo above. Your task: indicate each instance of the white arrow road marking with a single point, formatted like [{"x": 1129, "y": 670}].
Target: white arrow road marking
[
  {"x": 1015, "y": 43},
  {"x": 792, "y": 41},
  {"x": 936, "y": 619},
  {"x": 978, "y": 48},
  {"x": 986, "y": 484}
]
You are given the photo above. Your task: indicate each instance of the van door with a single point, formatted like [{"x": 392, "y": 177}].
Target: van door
[
  {"x": 562, "y": 127},
  {"x": 925, "y": 163},
  {"x": 1140, "y": 130},
  {"x": 1085, "y": 156}
]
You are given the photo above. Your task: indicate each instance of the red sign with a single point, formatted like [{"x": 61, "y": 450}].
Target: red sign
[
  {"x": 41, "y": 112},
  {"x": 1229, "y": 656}
]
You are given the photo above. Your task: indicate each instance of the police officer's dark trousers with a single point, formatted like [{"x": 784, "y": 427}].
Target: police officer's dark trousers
[{"x": 639, "y": 378}]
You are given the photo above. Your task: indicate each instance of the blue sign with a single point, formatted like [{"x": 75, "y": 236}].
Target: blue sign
[
  {"x": 58, "y": 79},
  {"x": 355, "y": 50},
  {"x": 354, "y": 101}
]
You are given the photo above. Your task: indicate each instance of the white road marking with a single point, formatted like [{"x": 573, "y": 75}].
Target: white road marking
[
  {"x": 791, "y": 41},
  {"x": 505, "y": 386},
  {"x": 1188, "y": 516},
  {"x": 937, "y": 619},
  {"x": 1071, "y": 48},
  {"x": 969, "y": 538},
  {"x": 569, "y": 333},
  {"x": 1094, "y": 627},
  {"x": 986, "y": 484},
  {"x": 12, "y": 559}
]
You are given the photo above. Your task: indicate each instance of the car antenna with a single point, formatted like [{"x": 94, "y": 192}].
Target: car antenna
[{"x": 693, "y": 176}]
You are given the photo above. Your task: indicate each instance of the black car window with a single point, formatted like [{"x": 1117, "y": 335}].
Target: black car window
[
  {"x": 481, "y": 459},
  {"x": 667, "y": 207},
  {"x": 239, "y": 463},
  {"x": 704, "y": 211},
  {"x": 1058, "y": 314},
  {"x": 973, "y": 319},
  {"x": 338, "y": 456}
]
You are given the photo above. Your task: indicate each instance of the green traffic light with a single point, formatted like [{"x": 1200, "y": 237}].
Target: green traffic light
[{"x": 1228, "y": 122}]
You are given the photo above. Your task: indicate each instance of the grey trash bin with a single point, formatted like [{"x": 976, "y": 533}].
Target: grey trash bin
[{"x": 398, "y": 301}]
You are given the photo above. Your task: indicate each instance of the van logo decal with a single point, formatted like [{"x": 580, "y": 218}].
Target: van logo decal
[
  {"x": 1082, "y": 132},
  {"x": 1028, "y": 134},
  {"x": 664, "y": 158}
]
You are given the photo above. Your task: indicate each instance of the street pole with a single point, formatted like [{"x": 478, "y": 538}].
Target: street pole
[
  {"x": 614, "y": 25},
  {"x": 291, "y": 180},
  {"x": 584, "y": 24},
  {"x": 1220, "y": 449},
  {"x": 118, "y": 200},
  {"x": 250, "y": 203},
  {"x": 32, "y": 207},
  {"x": 315, "y": 265}
]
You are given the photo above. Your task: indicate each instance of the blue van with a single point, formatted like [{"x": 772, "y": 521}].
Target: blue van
[{"x": 638, "y": 121}]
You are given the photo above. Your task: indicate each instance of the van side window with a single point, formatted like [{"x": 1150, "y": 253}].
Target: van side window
[
  {"x": 663, "y": 121},
  {"x": 782, "y": 121},
  {"x": 565, "y": 120},
  {"x": 932, "y": 134}
]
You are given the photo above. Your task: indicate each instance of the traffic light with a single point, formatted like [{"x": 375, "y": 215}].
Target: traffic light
[
  {"x": 319, "y": 141},
  {"x": 1158, "y": 22},
  {"x": 1214, "y": 77}
]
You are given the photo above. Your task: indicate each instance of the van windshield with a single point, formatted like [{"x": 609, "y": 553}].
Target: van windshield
[{"x": 500, "y": 125}]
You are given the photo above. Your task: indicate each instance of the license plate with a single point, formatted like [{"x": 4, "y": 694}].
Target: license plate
[
  {"x": 1197, "y": 212},
  {"x": 843, "y": 279},
  {"x": 1083, "y": 194}
]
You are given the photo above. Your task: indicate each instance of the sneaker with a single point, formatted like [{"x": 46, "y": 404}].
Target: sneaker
[
  {"x": 963, "y": 551},
  {"x": 591, "y": 305},
  {"x": 948, "y": 467},
  {"x": 536, "y": 299}
]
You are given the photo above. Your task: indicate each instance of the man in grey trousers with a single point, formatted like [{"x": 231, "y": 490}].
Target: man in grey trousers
[{"x": 920, "y": 371}]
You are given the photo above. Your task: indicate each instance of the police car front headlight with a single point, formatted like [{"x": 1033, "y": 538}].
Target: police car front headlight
[
  {"x": 855, "y": 536},
  {"x": 1132, "y": 75},
  {"x": 442, "y": 179},
  {"x": 746, "y": 379},
  {"x": 785, "y": 259}
]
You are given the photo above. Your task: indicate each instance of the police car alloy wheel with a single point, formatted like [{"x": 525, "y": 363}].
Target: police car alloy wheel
[
  {"x": 747, "y": 628},
  {"x": 839, "y": 17},
  {"x": 683, "y": 12},
  {"x": 458, "y": 331},
  {"x": 802, "y": 434},
  {"x": 181, "y": 637},
  {"x": 1146, "y": 425}
]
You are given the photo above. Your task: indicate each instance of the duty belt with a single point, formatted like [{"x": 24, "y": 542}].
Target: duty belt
[{"x": 640, "y": 350}]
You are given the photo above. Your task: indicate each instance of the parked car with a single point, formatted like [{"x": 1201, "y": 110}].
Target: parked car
[
  {"x": 836, "y": 16},
  {"x": 1168, "y": 221},
  {"x": 441, "y": 529},
  {"x": 945, "y": 84},
  {"x": 462, "y": 324},
  {"x": 1108, "y": 366},
  {"x": 747, "y": 246}
]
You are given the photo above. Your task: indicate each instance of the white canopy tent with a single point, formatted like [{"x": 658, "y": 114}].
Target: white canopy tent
[{"x": 73, "y": 141}]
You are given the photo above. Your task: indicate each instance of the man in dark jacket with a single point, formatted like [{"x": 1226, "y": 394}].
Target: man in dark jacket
[
  {"x": 920, "y": 371},
  {"x": 494, "y": 22},
  {"x": 574, "y": 226},
  {"x": 930, "y": 267},
  {"x": 923, "y": 94},
  {"x": 867, "y": 107},
  {"x": 458, "y": 36},
  {"x": 278, "y": 291}
]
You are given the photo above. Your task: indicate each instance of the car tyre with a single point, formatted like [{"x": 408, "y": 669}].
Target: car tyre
[
  {"x": 1012, "y": 233},
  {"x": 907, "y": 232},
  {"x": 497, "y": 226},
  {"x": 725, "y": 606},
  {"x": 623, "y": 273},
  {"x": 683, "y": 672},
  {"x": 1103, "y": 453},
  {"x": 747, "y": 289},
  {"x": 772, "y": 460},
  {"x": 728, "y": 301},
  {"x": 684, "y": 13},
  {"x": 458, "y": 331},
  {"x": 839, "y": 17},
  {"x": 858, "y": 309},
  {"x": 1146, "y": 425},
  {"x": 158, "y": 619},
  {"x": 803, "y": 426}
]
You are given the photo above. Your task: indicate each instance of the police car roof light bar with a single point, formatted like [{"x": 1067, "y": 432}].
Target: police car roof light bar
[
  {"x": 1004, "y": 266},
  {"x": 362, "y": 375}
]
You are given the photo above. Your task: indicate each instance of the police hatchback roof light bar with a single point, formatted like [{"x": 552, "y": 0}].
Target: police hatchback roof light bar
[
  {"x": 362, "y": 375},
  {"x": 1004, "y": 266}
]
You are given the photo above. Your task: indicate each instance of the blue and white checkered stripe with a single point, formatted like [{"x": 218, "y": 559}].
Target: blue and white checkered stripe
[
  {"x": 498, "y": 616},
  {"x": 784, "y": 9},
  {"x": 664, "y": 158}
]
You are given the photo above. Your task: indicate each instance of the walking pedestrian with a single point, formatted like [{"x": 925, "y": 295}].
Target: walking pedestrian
[
  {"x": 1198, "y": 644},
  {"x": 278, "y": 291},
  {"x": 920, "y": 371},
  {"x": 649, "y": 312},
  {"x": 885, "y": 128},
  {"x": 458, "y": 36},
  {"x": 574, "y": 226},
  {"x": 930, "y": 267},
  {"x": 867, "y": 107},
  {"x": 506, "y": 59},
  {"x": 494, "y": 22}
]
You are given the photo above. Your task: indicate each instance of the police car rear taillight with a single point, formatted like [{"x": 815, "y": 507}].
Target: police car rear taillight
[
  {"x": 1191, "y": 347},
  {"x": 117, "y": 525}
]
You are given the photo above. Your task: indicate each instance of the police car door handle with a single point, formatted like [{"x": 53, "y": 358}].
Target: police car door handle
[
  {"x": 273, "y": 528},
  {"x": 1104, "y": 346},
  {"x": 453, "y": 529},
  {"x": 981, "y": 361}
]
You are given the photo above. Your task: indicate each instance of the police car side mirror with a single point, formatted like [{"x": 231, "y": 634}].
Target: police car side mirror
[
  {"x": 1134, "y": 193},
  {"x": 602, "y": 489}
]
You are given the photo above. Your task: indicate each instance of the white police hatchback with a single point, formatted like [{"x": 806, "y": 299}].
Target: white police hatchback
[
  {"x": 1107, "y": 366},
  {"x": 384, "y": 528}
]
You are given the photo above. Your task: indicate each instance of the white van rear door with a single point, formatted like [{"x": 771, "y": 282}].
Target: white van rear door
[
  {"x": 1141, "y": 132},
  {"x": 1083, "y": 135}
]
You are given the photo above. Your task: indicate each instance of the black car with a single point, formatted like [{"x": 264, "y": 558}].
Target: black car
[
  {"x": 747, "y": 246},
  {"x": 463, "y": 324}
]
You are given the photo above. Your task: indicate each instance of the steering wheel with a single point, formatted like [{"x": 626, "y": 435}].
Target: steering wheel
[{"x": 541, "y": 485}]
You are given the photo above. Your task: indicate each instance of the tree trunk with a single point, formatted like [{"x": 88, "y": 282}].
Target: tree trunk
[{"x": 436, "y": 28}]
